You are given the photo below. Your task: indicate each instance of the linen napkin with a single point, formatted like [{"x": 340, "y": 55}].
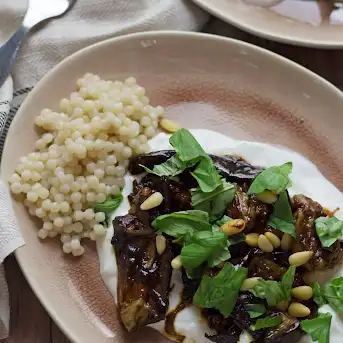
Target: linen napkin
[{"x": 88, "y": 22}]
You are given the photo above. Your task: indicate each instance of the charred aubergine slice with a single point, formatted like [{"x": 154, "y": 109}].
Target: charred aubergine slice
[
  {"x": 231, "y": 167},
  {"x": 143, "y": 274}
]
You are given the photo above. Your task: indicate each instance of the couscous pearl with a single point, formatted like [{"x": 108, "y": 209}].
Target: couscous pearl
[
  {"x": 42, "y": 234},
  {"x": 75, "y": 243},
  {"x": 65, "y": 238},
  {"x": 52, "y": 234},
  {"x": 47, "y": 226},
  {"x": 78, "y": 252},
  {"x": 64, "y": 207},
  {"x": 99, "y": 230},
  {"x": 32, "y": 196},
  {"x": 100, "y": 217},
  {"x": 16, "y": 188},
  {"x": 78, "y": 227},
  {"x": 54, "y": 207},
  {"x": 66, "y": 248},
  {"x": 59, "y": 222},
  {"x": 100, "y": 198}
]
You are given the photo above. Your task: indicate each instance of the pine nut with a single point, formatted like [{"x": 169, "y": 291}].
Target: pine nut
[
  {"x": 169, "y": 125},
  {"x": 233, "y": 227},
  {"x": 286, "y": 242},
  {"x": 249, "y": 283},
  {"x": 298, "y": 310},
  {"x": 264, "y": 244},
  {"x": 252, "y": 239},
  {"x": 282, "y": 305},
  {"x": 302, "y": 292},
  {"x": 161, "y": 244},
  {"x": 176, "y": 263},
  {"x": 153, "y": 201},
  {"x": 299, "y": 258},
  {"x": 275, "y": 240},
  {"x": 267, "y": 197}
]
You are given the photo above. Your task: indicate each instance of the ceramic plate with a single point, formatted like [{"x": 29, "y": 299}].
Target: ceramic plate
[
  {"x": 203, "y": 81},
  {"x": 301, "y": 22}
]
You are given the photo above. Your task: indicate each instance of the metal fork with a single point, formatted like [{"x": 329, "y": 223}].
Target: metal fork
[{"x": 38, "y": 11}]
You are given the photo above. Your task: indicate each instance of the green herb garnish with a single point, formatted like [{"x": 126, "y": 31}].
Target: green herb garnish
[
  {"x": 329, "y": 230},
  {"x": 255, "y": 310},
  {"x": 275, "y": 179},
  {"x": 269, "y": 322},
  {"x": 216, "y": 202},
  {"x": 221, "y": 291},
  {"x": 333, "y": 293},
  {"x": 318, "y": 295},
  {"x": 180, "y": 224},
  {"x": 109, "y": 205},
  {"x": 318, "y": 328},
  {"x": 205, "y": 246},
  {"x": 282, "y": 217},
  {"x": 189, "y": 153},
  {"x": 274, "y": 291}
]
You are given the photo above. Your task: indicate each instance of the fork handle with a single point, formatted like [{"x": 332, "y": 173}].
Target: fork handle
[{"x": 9, "y": 52}]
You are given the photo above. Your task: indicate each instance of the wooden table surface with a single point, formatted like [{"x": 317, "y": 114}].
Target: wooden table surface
[{"x": 30, "y": 323}]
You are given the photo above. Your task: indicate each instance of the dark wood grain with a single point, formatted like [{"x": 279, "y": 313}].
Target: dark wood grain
[{"x": 29, "y": 321}]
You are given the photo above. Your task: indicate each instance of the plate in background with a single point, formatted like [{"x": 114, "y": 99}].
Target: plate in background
[
  {"x": 203, "y": 81},
  {"x": 298, "y": 22}
]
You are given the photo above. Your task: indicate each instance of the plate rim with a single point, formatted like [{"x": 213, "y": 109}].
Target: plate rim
[
  {"x": 34, "y": 284},
  {"x": 285, "y": 39}
]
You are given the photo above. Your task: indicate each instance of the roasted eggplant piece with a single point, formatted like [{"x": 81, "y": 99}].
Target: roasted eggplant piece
[
  {"x": 306, "y": 211},
  {"x": 227, "y": 330},
  {"x": 143, "y": 275},
  {"x": 231, "y": 167},
  {"x": 148, "y": 160},
  {"x": 253, "y": 211},
  {"x": 176, "y": 197},
  {"x": 266, "y": 268},
  {"x": 288, "y": 331}
]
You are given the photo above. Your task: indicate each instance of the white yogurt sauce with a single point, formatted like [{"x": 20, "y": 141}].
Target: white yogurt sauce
[{"x": 307, "y": 180}]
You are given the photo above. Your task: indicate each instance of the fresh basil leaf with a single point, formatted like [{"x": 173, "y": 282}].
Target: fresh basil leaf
[
  {"x": 179, "y": 224},
  {"x": 235, "y": 239},
  {"x": 186, "y": 146},
  {"x": 318, "y": 328},
  {"x": 318, "y": 295},
  {"x": 221, "y": 255},
  {"x": 109, "y": 205},
  {"x": 329, "y": 230},
  {"x": 207, "y": 175},
  {"x": 221, "y": 291},
  {"x": 255, "y": 310},
  {"x": 216, "y": 202},
  {"x": 274, "y": 291},
  {"x": 172, "y": 167},
  {"x": 189, "y": 153},
  {"x": 287, "y": 283},
  {"x": 205, "y": 246},
  {"x": 282, "y": 217},
  {"x": 333, "y": 293},
  {"x": 275, "y": 179},
  {"x": 268, "y": 322},
  {"x": 224, "y": 219},
  {"x": 270, "y": 290}
]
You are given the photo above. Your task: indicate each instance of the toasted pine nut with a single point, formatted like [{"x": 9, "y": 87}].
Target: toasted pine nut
[
  {"x": 282, "y": 305},
  {"x": 264, "y": 244},
  {"x": 267, "y": 197},
  {"x": 169, "y": 125},
  {"x": 302, "y": 292},
  {"x": 252, "y": 239},
  {"x": 233, "y": 227},
  {"x": 176, "y": 263},
  {"x": 154, "y": 200},
  {"x": 298, "y": 310},
  {"x": 299, "y": 258},
  {"x": 275, "y": 240},
  {"x": 286, "y": 242},
  {"x": 161, "y": 244},
  {"x": 249, "y": 283}
]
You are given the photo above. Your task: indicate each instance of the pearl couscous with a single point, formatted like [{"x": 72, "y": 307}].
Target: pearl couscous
[{"x": 82, "y": 155}]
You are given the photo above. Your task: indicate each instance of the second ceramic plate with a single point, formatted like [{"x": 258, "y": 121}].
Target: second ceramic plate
[{"x": 300, "y": 22}]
